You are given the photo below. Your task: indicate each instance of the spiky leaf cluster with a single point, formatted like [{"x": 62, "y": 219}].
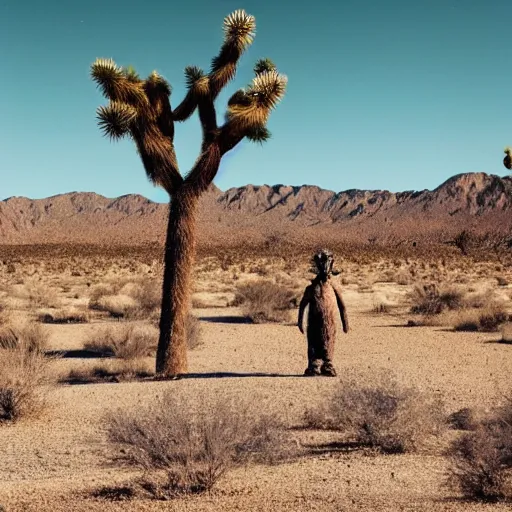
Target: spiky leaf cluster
[
  {"x": 250, "y": 108},
  {"x": 239, "y": 28},
  {"x": 259, "y": 134},
  {"x": 264, "y": 65},
  {"x": 115, "y": 119}
]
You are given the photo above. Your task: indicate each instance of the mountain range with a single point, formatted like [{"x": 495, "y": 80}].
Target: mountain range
[{"x": 478, "y": 202}]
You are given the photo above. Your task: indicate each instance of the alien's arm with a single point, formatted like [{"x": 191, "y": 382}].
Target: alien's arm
[
  {"x": 302, "y": 306},
  {"x": 342, "y": 308}
]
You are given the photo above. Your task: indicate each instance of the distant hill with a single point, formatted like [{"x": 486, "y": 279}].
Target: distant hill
[{"x": 476, "y": 201}]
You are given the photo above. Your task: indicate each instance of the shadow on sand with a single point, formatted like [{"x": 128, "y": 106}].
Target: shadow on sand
[
  {"x": 226, "y": 319},
  {"x": 498, "y": 342},
  {"x": 336, "y": 447},
  {"x": 224, "y": 375},
  {"x": 78, "y": 354}
]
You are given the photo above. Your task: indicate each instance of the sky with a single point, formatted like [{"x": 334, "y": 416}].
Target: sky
[{"x": 382, "y": 94}]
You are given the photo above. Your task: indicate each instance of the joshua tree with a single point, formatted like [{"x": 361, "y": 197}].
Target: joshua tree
[
  {"x": 141, "y": 109},
  {"x": 507, "y": 161}
]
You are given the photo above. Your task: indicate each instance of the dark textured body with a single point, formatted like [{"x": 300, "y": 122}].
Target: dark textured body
[{"x": 325, "y": 303}]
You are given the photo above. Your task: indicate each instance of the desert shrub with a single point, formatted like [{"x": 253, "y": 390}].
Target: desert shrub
[
  {"x": 30, "y": 337},
  {"x": 39, "y": 295},
  {"x": 477, "y": 300},
  {"x": 99, "y": 291},
  {"x": 430, "y": 300},
  {"x": 264, "y": 301},
  {"x": 118, "y": 306},
  {"x": 124, "y": 341},
  {"x": 148, "y": 295},
  {"x": 488, "y": 319},
  {"x": 136, "y": 299},
  {"x": 24, "y": 380},
  {"x": 463, "y": 419},
  {"x": 481, "y": 460},
  {"x": 184, "y": 449},
  {"x": 63, "y": 316},
  {"x": 382, "y": 415}
]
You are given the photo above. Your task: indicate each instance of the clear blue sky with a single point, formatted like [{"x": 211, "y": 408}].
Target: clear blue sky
[{"x": 382, "y": 94}]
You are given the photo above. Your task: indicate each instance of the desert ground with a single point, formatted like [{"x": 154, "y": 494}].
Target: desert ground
[{"x": 59, "y": 457}]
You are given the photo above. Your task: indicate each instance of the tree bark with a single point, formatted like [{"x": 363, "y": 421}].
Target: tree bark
[{"x": 171, "y": 359}]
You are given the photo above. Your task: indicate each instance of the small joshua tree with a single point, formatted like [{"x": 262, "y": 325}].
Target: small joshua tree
[
  {"x": 141, "y": 109},
  {"x": 507, "y": 161}
]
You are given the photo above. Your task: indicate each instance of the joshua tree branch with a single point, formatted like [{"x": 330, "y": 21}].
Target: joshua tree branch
[
  {"x": 202, "y": 174},
  {"x": 238, "y": 35},
  {"x": 230, "y": 134}
]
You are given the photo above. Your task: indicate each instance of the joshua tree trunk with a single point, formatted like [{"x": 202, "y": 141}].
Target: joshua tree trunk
[
  {"x": 171, "y": 358},
  {"x": 142, "y": 109}
]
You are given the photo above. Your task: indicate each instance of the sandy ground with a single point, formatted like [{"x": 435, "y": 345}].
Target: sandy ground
[{"x": 51, "y": 464}]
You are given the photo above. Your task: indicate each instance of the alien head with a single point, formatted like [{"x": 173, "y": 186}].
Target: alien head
[{"x": 324, "y": 261}]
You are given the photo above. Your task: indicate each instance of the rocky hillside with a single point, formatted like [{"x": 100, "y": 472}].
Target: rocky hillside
[{"x": 476, "y": 201}]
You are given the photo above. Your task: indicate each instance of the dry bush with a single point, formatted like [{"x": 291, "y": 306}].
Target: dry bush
[
  {"x": 98, "y": 291},
  {"x": 117, "y": 306},
  {"x": 24, "y": 379},
  {"x": 124, "y": 341},
  {"x": 148, "y": 294},
  {"x": 430, "y": 300},
  {"x": 135, "y": 299},
  {"x": 264, "y": 301},
  {"x": 116, "y": 371},
  {"x": 481, "y": 460},
  {"x": 63, "y": 316},
  {"x": 488, "y": 319},
  {"x": 463, "y": 419},
  {"x": 30, "y": 337},
  {"x": 39, "y": 295},
  {"x": 478, "y": 300},
  {"x": 187, "y": 450},
  {"x": 382, "y": 415}
]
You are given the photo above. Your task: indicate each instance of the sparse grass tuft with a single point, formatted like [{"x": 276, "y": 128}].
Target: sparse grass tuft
[
  {"x": 381, "y": 308},
  {"x": 382, "y": 415}
]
